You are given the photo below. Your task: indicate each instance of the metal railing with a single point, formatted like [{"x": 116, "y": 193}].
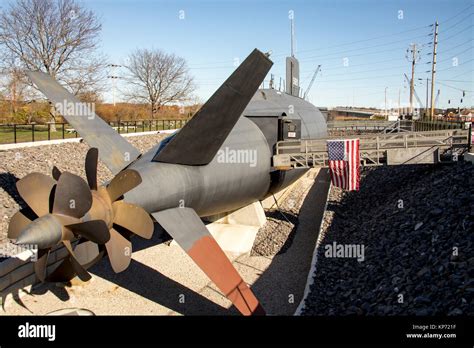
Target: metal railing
[
  {"x": 373, "y": 149},
  {"x": 17, "y": 133},
  {"x": 359, "y": 125},
  {"x": 391, "y": 126}
]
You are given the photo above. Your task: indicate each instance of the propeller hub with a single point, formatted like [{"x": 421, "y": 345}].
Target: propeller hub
[
  {"x": 44, "y": 232},
  {"x": 79, "y": 209},
  {"x": 101, "y": 207}
]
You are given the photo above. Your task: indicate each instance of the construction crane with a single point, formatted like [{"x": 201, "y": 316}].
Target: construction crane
[
  {"x": 414, "y": 91},
  {"x": 312, "y": 81},
  {"x": 437, "y": 99}
]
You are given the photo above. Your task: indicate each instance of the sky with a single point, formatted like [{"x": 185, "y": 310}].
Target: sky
[{"x": 360, "y": 44}]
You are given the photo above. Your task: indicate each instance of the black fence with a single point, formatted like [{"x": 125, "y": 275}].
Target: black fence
[
  {"x": 420, "y": 125},
  {"x": 17, "y": 133}
]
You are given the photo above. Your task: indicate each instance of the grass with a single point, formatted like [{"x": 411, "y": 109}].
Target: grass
[{"x": 24, "y": 133}]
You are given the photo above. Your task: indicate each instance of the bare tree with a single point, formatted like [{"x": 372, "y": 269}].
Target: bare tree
[
  {"x": 14, "y": 88},
  {"x": 59, "y": 37},
  {"x": 157, "y": 78}
]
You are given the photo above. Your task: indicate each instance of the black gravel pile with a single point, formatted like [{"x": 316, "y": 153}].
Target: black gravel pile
[{"x": 416, "y": 226}]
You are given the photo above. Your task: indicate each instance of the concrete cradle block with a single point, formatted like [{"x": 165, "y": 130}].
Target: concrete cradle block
[
  {"x": 9, "y": 264},
  {"x": 233, "y": 238},
  {"x": 469, "y": 157},
  {"x": 235, "y": 232},
  {"x": 250, "y": 215}
]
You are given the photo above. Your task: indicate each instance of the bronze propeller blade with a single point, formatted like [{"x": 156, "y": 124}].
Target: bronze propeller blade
[
  {"x": 87, "y": 253},
  {"x": 18, "y": 222},
  {"x": 119, "y": 250},
  {"x": 72, "y": 196},
  {"x": 56, "y": 173},
  {"x": 41, "y": 264},
  {"x": 91, "y": 167},
  {"x": 133, "y": 218},
  {"x": 80, "y": 271},
  {"x": 122, "y": 183},
  {"x": 35, "y": 189},
  {"x": 94, "y": 230}
]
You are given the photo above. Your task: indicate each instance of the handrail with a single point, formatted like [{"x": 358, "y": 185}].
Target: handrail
[{"x": 379, "y": 142}]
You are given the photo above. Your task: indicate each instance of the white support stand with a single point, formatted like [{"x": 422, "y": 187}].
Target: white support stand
[{"x": 235, "y": 232}]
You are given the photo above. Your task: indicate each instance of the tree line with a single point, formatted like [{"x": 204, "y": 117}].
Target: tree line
[{"x": 62, "y": 38}]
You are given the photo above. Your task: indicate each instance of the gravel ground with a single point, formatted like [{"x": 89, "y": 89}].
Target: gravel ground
[
  {"x": 276, "y": 235},
  {"x": 415, "y": 223},
  {"x": 16, "y": 163}
]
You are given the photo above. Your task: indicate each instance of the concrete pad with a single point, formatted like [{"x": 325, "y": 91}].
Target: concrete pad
[{"x": 469, "y": 157}]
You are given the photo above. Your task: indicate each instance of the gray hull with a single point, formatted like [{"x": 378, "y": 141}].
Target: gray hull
[{"x": 238, "y": 175}]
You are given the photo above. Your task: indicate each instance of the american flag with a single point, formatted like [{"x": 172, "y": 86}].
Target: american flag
[{"x": 344, "y": 163}]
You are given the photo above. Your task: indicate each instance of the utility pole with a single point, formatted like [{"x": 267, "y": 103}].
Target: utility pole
[
  {"x": 386, "y": 111},
  {"x": 413, "y": 56},
  {"x": 433, "y": 70},
  {"x": 114, "y": 78}
]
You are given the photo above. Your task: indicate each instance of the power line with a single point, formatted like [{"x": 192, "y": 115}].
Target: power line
[
  {"x": 454, "y": 25},
  {"x": 341, "y": 74},
  {"x": 455, "y": 66},
  {"x": 459, "y": 89},
  {"x": 458, "y": 14},
  {"x": 362, "y": 78},
  {"x": 459, "y": 32},
  {"x": 462, "y": 44},
  {"x": 359, "y": 41},
  {"x": 363, "y": 64},
  {"x": 464, "y": 73},
  {"x": 355, "y": 55},
  {"x": 465, "y": 81},
  {"x": 329, "y": 55},
  {"x": 364, "y": 48},
  {"x": 366, "y": 71},
  {"x": 196, "y": 65},
  {"x": 457, "y": 54}
]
